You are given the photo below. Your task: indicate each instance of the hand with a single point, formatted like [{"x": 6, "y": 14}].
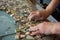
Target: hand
[
  {"x": 38, "y": 15},
  {"x": 46, "y": 28}
]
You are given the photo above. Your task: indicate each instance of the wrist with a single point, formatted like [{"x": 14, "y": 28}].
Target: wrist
[
  {"x": 49, "y": 28},
  {"x": 48, "y": 11},
  {"x": 56, "y": 28}
]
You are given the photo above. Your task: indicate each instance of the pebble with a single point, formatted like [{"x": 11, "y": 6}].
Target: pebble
[
  {"x": 28, "y": 37},
  {"x": 12, "y": 15},
  {"x": 27, "y": 33},
  {"x": 23, "y": 21},
  {"x": 21, "y": 27},
  {"x": 22, "y": 36},
  {"x": 17, "y": 37}
]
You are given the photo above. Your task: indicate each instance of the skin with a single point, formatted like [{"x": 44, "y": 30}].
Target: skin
[
  {"x": 45, "y": 27},
  {"x": 33, "y": 1}
]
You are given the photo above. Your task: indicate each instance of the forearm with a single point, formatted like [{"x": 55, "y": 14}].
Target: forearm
[
  {"x": 53, "y": 4},
  {"x": 56, "y": 28},
  {"x": 52, "y": 28}
]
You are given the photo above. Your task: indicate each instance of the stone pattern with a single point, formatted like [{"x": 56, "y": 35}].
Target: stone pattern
[{"x": 20, "y": 10}]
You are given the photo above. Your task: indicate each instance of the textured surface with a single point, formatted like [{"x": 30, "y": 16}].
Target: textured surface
[
  {"x": 19, "y": 10},
  {"x": 7, "y": 24}
]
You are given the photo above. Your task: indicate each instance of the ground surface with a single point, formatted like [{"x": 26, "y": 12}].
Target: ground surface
[{"x": 19, "y": 10}]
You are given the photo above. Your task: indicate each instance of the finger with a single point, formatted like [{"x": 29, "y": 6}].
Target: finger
[
  {"x": 31, "y": 16},
  {"x": 33, "y": 28},
  {"x": 36, "y": 12},
  {"x": 32, "y": 13},
  {"x": 35, "y": 15},
  {"x": 41, "y": 19},
  {"x": 35, "y": 33}
]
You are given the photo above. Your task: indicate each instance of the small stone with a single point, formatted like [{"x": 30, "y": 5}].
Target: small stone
[
  {"x": 22, "y": 36},
  {"x": 17, "y": 18},
  {"x": 3, "y": 7},
  {"x": 12, "y": 11},
  {"x": 25, "y": 11},
  {"x": 22, "y": 30},
  {"x": 21, "y": 27},
  {"x": 21, "y": 17},
  {"x": 14, "y": 8},
  {"x": 17, "y": 30},
  {"x": 37, "y": 37},
  {"x": 23, "y": 21},
  {"x": 27, "y": 33},
  {"x": 28, "y": 37},
  {"x": 7, "y": 11},
  {"x": 29, "y": 25},
  {"x": 17, "y": 37},
  {"x": 25, "y": 15},
  {"x": 12, "y": 15},
  {"x": 32, "y": 25}
]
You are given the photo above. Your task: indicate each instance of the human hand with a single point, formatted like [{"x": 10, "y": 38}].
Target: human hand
[
  {"x": 38, "y": 15},
  {"x": 45, "y": 28}
]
